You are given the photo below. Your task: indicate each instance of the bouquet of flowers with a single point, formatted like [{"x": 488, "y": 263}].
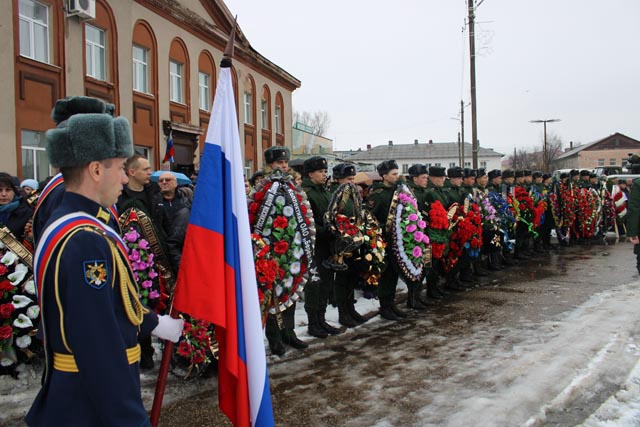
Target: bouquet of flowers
[
  {"x": 345, "y": 230},
  {"x": 369, "y": 259},
  {"x": 280, "y": 215},
  {"x": 609, "y": 211},
  {"x": 589, "y": 209},
  {"x": 438, "y": 230},
  {"x": 267, "y": 272},
  {"x": 507, "y": 217},
  {"x": 407, "y": 230},
  {"x": 151, "y": 289},
  {"x": 147, "y": 258},
  {"x": 19, "y": 310},
  {"x": 569, "y": 205},
  {"x": 466, "y": 233},
  {"x": 196, "y": 347}
]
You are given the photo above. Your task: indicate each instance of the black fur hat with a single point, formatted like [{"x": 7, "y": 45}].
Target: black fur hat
[
  {"x": 455, "y": 172},
  {"x": 574, "y": 172},
  {"x": 508, "y": 173},
  {"x": 519, "y": 174},
  {"x": 386, "y": 166},
  {"x": 417, "y": 170},
  {"x": 314, "y": 163},
  {"x": 343, "y": 170},
  {"x": 276, "y": 153},
  {"x": 585, "y": 172},
  {"x": 494, "y": 173},
  {"x": 436, "y": 171},
  {"x": 536, "y": 174},
  {"x": 468, "y": 173},
  {"x": 480, "y": 173}
]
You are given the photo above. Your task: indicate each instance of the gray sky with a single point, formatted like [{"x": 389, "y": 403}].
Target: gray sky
[{"x": 398, "y": 70}]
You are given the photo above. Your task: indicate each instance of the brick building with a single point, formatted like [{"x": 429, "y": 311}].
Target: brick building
[
  {"x": 156, "y": 60},
  {"x": 612, "y": 150}
]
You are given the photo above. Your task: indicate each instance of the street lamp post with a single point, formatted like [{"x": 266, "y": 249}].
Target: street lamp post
[{"x": 545, "y": 159}]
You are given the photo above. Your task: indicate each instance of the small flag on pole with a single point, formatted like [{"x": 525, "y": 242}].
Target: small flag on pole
[
  {"x": 217, "y": 281},
  {"x": 168, "y": 156}
]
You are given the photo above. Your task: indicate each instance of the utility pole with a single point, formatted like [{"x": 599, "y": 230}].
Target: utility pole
[
  {"x": 472, "y": 63},
  {"x": 462, "y": 132},
  {"x": 545, "y": 152},
  {"x": 459, "y": 149}
]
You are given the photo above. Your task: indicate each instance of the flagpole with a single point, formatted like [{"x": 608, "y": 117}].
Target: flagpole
[{"x": 163, "y": 373}]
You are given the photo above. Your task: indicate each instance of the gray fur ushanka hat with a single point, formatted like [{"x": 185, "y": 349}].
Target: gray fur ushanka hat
[{"x": 86, "y": 131}]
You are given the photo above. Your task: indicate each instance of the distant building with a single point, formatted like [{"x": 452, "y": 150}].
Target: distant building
[
  {"x": 432, "y": 154},
  {"x": 157, "y": 61},
  {"x": 612, "y": 150},
  {"x": 306, "y": 144}
]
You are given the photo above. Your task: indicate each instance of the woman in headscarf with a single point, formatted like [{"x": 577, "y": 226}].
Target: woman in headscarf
[{"x": 15, "y": 212}]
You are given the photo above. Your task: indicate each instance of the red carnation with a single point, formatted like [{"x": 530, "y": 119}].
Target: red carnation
[
  {"x": 253, "y": 207},
  {"x": 3, "y": 269},
  {"x": 5, "y": 285},
  {"x": 281, "y": 247},
  {"x": 5, "y": 332},
  {"x": 6, "y": 310},
  {"x": 303, "y": 208},
  {"x": 280, "y": 222},
  {"x": 258, "y": 196}
]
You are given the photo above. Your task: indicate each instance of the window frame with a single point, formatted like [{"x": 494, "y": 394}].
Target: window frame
[
  {"x": 264, "y": 114},
  {"x": 247, "y": 102},
  {"x": 176, "y": 82},
  {"x": 277, "y": 117},
  {"x": 144, "y": 64},
  {"x": 204, "y": 91},
  {"x": 31, "y": 21},
  {"x": 32, "y": 152},
  {"x": 93, "y": 46}
]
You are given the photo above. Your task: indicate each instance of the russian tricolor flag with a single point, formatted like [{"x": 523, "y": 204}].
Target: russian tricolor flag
[{"x": 217, "y": 279}]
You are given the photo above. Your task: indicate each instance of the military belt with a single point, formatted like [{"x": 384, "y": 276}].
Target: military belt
[{"x": 67, "y": 363}]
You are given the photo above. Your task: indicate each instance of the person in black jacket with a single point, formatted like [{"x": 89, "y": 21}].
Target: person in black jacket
[
  {"x": 15, "y": 212},
  {"x": 176, "y": 204}
]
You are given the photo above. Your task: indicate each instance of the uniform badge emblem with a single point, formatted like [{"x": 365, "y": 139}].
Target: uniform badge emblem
[{"x": 95, "y": 273}]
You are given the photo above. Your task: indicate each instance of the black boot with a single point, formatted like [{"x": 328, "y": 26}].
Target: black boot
[
  {"x": 413, "y": 301},
  {"x": 397, "y": 310},
  {"x": 421, "y": 299},
  {"x": 324, "y": 325},
  {"x": 479, "y": 269},
  {"x": 357, "y": 317},
  {"x": 314, "y": 329},
  {"x": 385, "y": 310},
  {"x": 494, "y": 262},
  {"x": 344, "y": 317},
  {"x": 274, "y": 336},
  {"x": 291, "y": 339},
  {"x": 433, "y": 292},
  {"x": 277, "y": 348}
]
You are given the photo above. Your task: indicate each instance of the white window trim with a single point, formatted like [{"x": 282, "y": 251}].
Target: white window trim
[
  {"x": 264, "y": 114},
  {"x": 206, "y": 89},
  {"x": 145, "y": 65},
  {"x": 247, "y": 99},
  {"x": 93, "y": 46},
  {"x": 31, "y": 22},
  {"x": 278, "y": 125},
  {"x": 175, "y": 81}
]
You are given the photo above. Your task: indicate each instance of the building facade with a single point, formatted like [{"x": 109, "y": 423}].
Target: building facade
[
  {"x": 156, "y": 60},
  {"x": 445, "y": 154},
  {"x": 609, "y": 151}
]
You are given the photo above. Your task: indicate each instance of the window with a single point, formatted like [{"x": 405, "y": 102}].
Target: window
[
  {"x": 95, "y": 52},
  {"x": 612, "y": 162},
  {"x": 467, "y": 164},
  {"x": 140, "y": 69},
  {"x": 278, "y": 126},
  {"x": 405, "y": 168},
  {"x": 483, "y": 164},
  {"x": 263, "y": 112},
  {"x": 34, "y": 30},
  {"x": 452, "y": 165},
  {"x": 438, "y": 164},
  {"x": 248, "y": 110},
  {"x": 428, "y": 165},
  {"x": 600, "y": 162},
  {"x": 175, "y": 84},
  {"x": 35, "y": 163},
  {"x": 144, "y": 151},
  {"x": 205, "y": 92}
]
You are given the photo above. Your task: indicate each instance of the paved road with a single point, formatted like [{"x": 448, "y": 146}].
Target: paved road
[{"x": 543, "y": 343}]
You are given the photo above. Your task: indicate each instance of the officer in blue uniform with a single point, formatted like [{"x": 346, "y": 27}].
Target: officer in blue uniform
[{"x": 90, "y": 311}]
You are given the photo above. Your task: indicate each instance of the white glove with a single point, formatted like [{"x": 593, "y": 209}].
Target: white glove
[{"x": 168, "y": 328}]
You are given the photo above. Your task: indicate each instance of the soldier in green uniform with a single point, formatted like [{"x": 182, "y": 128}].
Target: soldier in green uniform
[
  {"x": 277, "y": 157},
  {"x": 316, "y": 295},
  {"x": 379, "y": 203},
  {"x": 345, "y": 281},
  {"x": 494, "y": 181},
  {"x": 469, "y": 181},
  {"x": 418, "y": 178},
  {"x": 633, "y": 219},
  {"x": 528, "y": 179},
  {"x": 455, "y": 192},
  {"x": 435, "y": 192},
  {"x": 584, "y": 179}
]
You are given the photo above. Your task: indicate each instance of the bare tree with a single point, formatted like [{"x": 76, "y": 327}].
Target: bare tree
[
  {"x": 523, "y": 159},
  {"x": 317, "y": 121},
  {"x": 554, "y": 149}
]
